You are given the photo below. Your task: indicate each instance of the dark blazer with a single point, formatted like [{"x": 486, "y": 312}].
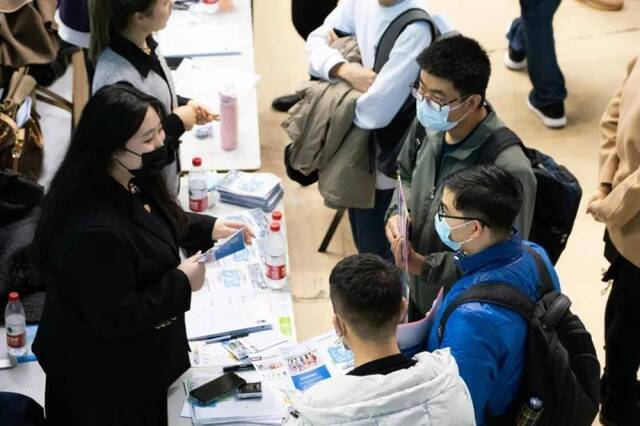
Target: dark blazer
[{"x": 113, "y": 321}]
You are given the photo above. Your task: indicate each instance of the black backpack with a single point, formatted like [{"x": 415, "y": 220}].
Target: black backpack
[
  {"x": 557, "y": 197},
  {"x": 561, "y": 367}
]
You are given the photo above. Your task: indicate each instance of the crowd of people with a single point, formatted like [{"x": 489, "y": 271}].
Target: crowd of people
[{"x": 111, "y": 213}]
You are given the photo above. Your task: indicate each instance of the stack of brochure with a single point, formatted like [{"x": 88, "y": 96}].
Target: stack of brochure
[{"x": 251, "y": 190}]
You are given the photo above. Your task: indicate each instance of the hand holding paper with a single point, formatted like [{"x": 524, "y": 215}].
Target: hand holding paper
[
  {"x": 225, "y": 228},
  {"x": 231, "y": 245}
]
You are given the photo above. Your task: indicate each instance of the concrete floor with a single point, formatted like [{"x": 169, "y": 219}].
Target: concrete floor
[{"x": 593, "y": 49}]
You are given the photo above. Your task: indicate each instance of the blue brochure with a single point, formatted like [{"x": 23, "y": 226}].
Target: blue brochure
[{"x": 231, "y": 245}]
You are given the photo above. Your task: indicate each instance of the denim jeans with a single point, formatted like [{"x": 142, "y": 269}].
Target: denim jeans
[
  {"x": 532, "y": 34},
  {"x": 367, "y": 226}
]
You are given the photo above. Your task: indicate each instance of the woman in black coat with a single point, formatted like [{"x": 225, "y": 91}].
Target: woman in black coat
[{"x": 112, "y": 336}]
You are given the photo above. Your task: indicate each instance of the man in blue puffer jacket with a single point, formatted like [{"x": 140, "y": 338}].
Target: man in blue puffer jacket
[{"x": 479, "y": 206}]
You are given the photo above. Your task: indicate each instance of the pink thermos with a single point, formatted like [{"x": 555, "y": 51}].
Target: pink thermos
[{"x": 229, "y": 118}]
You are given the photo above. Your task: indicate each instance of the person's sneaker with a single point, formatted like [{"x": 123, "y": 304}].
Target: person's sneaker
[
  {"x": 551, "y": 115},
  {"x": 611, "y": 5},
  {"x": 284, "y": 103},
  {"x": 515, "y": 60}
]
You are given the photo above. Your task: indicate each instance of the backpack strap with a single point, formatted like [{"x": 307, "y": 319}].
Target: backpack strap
[
  {"x": 545, "y": 283},
  {"x": 496, "y": 293},
  {"x": 499, "y": 140},
  {"x": 396, "y": 27}
]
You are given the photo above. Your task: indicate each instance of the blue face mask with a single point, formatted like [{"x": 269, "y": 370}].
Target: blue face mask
[
  {"x": 436, "y": 120},
  {"x": 444, "y": 232}
]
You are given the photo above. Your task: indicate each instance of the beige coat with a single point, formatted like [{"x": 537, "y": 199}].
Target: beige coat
[
  {"x": 325, "y": 139},
  {"x": 620, "y": 165}
]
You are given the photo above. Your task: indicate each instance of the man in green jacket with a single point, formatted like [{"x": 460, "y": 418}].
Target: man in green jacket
[{"x": 451, "y": 107}]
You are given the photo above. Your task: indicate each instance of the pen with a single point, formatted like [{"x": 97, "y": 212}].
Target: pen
[
  {"x": 225, "y": 338},
  {"x": 241, "y": 367}
]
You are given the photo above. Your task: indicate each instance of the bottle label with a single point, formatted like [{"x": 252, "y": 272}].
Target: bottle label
[
  {"x": 17, "y": 341},
  {"x": 198, "y": 205},
  {"x": 276, "y": 272}
]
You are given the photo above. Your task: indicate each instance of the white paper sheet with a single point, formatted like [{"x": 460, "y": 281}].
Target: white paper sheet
[
  {"x": 185, "y": 37},
  {"x": 204, "y": 82}
]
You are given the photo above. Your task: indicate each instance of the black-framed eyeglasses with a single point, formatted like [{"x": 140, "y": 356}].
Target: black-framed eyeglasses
[
  {"x": 442, "y": 215},
  {"x": 437, "y": 106}
]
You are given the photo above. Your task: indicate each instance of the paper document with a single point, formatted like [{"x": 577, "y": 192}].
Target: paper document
[
  {"x": 298, "y": 367},
  {"x": 187, "y": 35},
  {"x": 234, "y": 298},
  {"x": 207, "y": 355},
  {"x": 244, "y": 347},
  {"x": 231, "y": 245},
  {"x": 403, "y": 225},
  {"x": 205, "y": 82},
  {"x": 412, "y": 337}
]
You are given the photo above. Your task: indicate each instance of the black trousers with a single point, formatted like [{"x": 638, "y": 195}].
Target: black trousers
[
  {"x": 308, "y": 15},
  {"x": 621, "y": 328},
  {"x": 367, "y": 226},
  {"x": 81, "y": 404}
]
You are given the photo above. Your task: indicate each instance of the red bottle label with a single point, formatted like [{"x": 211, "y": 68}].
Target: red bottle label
[
  {"x": 199, "y": 205},
  {"x": 17, "y": 341},
  {"x": 276, "y": 272}
]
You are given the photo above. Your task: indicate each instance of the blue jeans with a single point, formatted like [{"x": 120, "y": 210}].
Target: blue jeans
[
  {"x": 367, "y": 226},
  {"x": 532, "y": 34}
]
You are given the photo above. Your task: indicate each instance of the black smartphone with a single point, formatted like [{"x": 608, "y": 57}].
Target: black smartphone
[
  {"x": 217, "y": 387},
  {"x": 341, "y": 33},
  {"x": 250, "y": 391}
]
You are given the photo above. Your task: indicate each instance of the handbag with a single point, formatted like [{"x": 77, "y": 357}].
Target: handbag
[
  {"x": 27, "y": 32},
  {"x": 21, "y": 144}
]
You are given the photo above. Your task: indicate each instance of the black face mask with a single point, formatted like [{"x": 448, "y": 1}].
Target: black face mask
[{"x": 152, "y": 162}]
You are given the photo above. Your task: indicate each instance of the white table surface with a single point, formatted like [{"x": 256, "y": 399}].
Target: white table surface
[{"x": 247, "y": 155}]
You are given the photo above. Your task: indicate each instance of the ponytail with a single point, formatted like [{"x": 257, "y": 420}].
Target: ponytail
[
  {"x": 100, "y": 18},
  {"x": 109, "y": 17}
]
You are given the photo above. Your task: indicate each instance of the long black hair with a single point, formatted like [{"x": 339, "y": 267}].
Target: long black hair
[
  {"x": 110, "y": 118},
  {"x": 109, "y": 17}
]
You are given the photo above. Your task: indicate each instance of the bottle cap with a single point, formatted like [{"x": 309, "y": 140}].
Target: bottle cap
[
  {"x": 275, "y": 226},
  {"x": 197, "y": 161},
  {"x": 276, "y": 215},
  {"x": 14, "y": 296}
]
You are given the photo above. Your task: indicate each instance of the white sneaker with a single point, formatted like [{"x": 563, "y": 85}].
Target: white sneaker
[
  {"x": 552, "y": 116},
  {"x": 512, "y": 64}
]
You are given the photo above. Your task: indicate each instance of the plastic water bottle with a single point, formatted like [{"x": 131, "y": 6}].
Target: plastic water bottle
[
  {"x": 16, "y": 324},
  {"x": 276, "y": 261},
  {"x": 198, "y": 194},
  {"x": 212, "y": 186},
  {"x": 530, "y": 412},
  {"x": 229, "y": 118},
  {"x": 276, "y": 217}
]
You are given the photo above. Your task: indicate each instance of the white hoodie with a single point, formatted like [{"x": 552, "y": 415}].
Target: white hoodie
[{"x": 429, "y": 393}]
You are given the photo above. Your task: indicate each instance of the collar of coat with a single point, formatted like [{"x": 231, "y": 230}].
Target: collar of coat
[{"x": 492, "y": 257}]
